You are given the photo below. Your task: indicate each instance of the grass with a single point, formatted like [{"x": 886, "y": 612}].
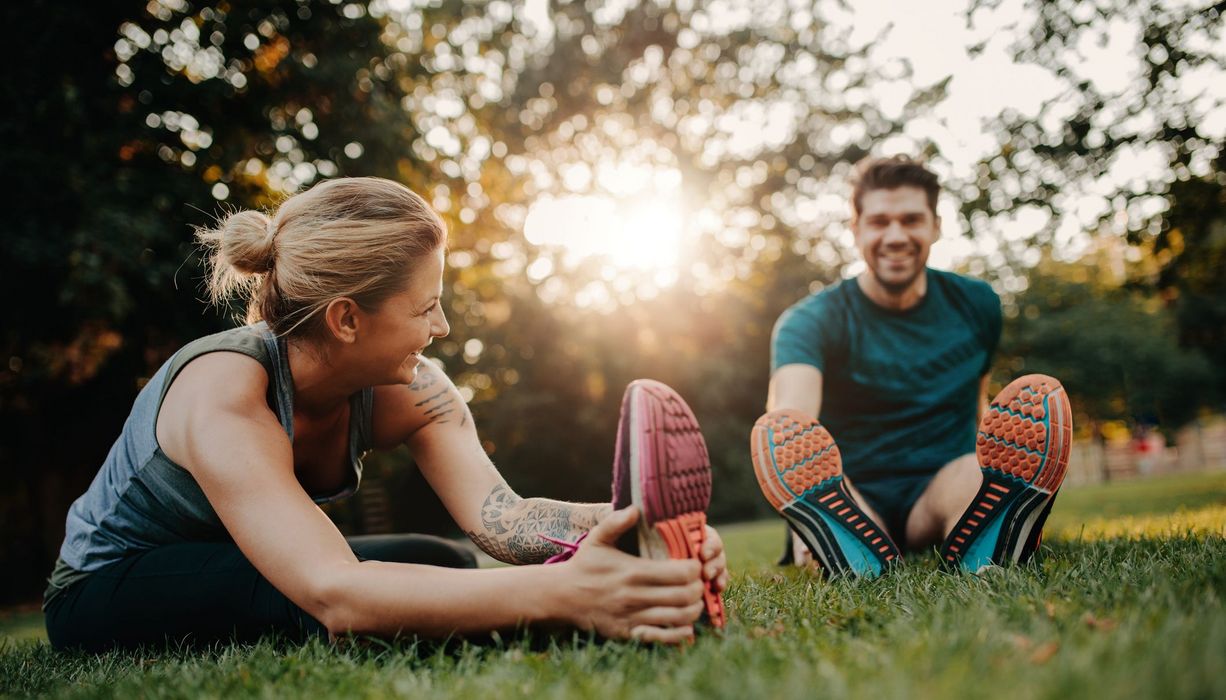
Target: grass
[{"x": 1126, "y": 602}]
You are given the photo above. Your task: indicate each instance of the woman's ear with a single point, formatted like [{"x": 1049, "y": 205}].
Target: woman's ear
[{"x": 342, "y": 316}]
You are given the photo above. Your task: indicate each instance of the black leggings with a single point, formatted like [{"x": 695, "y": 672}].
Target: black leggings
[{"x": 202, "y": 592}]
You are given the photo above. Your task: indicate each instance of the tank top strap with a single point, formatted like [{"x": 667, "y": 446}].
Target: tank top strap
[
  {"x": 362, "y": 421},
  {"x": 257, "y": 342},
  {"x": 279, "y": 373}
]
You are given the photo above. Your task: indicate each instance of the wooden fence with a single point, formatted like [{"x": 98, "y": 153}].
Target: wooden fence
[{"x": 1198, "y": 447}]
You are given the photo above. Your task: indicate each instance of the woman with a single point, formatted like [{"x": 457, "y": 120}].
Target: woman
[{"x": 202, "y": 523}]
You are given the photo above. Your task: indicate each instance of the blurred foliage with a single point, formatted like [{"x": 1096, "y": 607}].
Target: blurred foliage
[
  {"x": 130, "y": 122},
  {"x": 1114, "y": 347},
  {"x": 1192, "y": 250},
  {"x": 1142, "y": 343},
  {"x": 1084, "y": 140}
]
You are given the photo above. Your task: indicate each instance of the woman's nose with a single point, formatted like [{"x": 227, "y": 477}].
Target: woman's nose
[{"x": 438, "y": 325}]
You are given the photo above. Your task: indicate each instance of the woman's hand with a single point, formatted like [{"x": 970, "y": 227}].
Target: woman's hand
[
  {"x": 621, "y": 596},
  {"x": 714, "y": 563}
]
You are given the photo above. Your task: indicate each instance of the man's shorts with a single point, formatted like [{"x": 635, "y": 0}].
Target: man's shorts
[{"x": 893, "y": 498}]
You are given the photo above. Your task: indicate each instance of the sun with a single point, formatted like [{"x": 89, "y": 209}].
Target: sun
[{"x": 642, "y": 233}]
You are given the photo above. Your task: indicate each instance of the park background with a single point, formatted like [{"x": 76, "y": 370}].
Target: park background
[{"x": 632, "y": 189}]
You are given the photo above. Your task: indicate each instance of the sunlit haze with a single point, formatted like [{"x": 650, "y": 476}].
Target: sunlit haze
[{"x": 645, "y": 234}]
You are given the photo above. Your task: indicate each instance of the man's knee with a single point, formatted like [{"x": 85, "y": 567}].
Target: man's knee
[
  {"x": 944, "y": 499},
  {"x": 966, "y": 468}
]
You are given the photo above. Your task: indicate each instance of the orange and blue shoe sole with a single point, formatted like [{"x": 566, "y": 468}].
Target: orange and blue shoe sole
[
  {"x": 800, "y": 472},
  {"x": 662, "y": 466},
  {"x": 1023, "y": 447}
]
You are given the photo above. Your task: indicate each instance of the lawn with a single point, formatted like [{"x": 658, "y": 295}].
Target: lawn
[{"x": 1126, "y": 602}]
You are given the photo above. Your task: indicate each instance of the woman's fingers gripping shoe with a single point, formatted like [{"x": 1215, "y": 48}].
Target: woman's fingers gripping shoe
[
  {"x": 621, "y": 596},
  {"x": 714, "y": 561}
]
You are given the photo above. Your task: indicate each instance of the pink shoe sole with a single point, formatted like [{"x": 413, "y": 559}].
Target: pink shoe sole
[{"x": 662, "y": 466}]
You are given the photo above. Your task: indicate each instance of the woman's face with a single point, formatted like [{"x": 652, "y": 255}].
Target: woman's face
[{"x": 407, "y": 322}]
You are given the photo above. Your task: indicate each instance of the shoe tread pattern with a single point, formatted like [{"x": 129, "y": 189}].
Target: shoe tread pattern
[
  {"x": 1023, "y": 445},
  {"x": 800, "y": 471},
  {"x": 676, "y": 479},
  {"x": 1027, "y": 432},
  {"x": 680, "y": 481}
]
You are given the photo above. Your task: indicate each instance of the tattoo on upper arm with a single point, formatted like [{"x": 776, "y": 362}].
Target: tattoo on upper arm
[
  {"x": 440, "y": 404},
  {"x": 512, "y": 526},
  {"x": 424, "y": 380}
]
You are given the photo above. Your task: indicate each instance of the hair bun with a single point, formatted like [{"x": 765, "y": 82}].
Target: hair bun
[{"x": 247, "y": 242}]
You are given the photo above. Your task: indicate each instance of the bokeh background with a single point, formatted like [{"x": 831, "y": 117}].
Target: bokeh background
[{"x": 632, "y": 189}]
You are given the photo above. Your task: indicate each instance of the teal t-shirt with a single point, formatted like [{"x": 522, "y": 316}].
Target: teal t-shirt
[{"x": 899, "y": 388}]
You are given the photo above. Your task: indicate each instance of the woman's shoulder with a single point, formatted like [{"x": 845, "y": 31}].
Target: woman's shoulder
[
  {"x": 235, "y": 364},
  {"x": 221, "y": 379},
  {"x": 252, "y": 341}
]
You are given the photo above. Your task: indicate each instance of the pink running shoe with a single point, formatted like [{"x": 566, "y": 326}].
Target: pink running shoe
[{"x": 661, "y": 465}]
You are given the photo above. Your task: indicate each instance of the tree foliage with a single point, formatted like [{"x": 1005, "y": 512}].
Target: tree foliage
[
  {"x": 1115, "y": 349},
  {"x": 1192, "y": 248},
  {"x": 1139, "y": 159},
  {"x": 1085, "y": 141}
]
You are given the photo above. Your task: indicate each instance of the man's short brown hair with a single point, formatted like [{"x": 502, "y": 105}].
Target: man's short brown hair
[{"x": 889, "y": 174}]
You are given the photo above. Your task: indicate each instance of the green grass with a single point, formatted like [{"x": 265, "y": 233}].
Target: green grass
[{"x": 1126, "y": 602}]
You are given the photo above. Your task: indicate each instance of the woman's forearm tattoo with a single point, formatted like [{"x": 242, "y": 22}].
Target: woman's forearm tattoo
[{"x": 512, "y": 526}]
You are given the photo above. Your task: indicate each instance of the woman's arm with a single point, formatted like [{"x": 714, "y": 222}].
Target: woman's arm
[
  {"x": 216, "y": 424},
  {"x": 514, "y": 529},
  {"x": 432, "y": 418}
]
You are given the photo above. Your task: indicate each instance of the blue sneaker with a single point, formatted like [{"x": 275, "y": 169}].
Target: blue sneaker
[
  {"x": 1023, "y": 449},
  {"x": 801, "y": 473}
]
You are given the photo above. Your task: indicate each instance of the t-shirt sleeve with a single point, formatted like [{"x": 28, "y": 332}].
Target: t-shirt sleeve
[{"x": 798, "y": 338}]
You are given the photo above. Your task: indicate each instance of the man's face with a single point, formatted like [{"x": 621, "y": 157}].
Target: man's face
[{"x": 894, "y": 231}]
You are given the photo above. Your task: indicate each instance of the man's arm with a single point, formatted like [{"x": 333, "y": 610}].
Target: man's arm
[{"x": 796, "y": 386}]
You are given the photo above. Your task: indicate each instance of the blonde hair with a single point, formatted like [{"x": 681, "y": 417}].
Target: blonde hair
[{"x": 353, "y": 237}]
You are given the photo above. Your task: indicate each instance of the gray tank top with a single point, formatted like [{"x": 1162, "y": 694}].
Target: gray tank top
[{"x": 140, "y": 499}]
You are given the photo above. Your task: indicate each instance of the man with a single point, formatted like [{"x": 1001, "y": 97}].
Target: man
[{"x": 895, "y": 362}]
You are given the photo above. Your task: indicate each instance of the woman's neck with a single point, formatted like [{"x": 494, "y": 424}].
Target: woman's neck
[{"x": 319, "y": 388}]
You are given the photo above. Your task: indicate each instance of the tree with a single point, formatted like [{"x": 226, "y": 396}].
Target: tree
[
  {"x": 131, "y": 122},
  {"x": 1085, "y": 140},
  {"x": 1192, "y": 249},
  {"x": 1140, "y": 157},
  {"x": 1113, "y": 347}
]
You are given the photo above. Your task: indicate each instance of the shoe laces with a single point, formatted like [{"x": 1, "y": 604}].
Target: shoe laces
[{"x": 568, "y": 548}]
